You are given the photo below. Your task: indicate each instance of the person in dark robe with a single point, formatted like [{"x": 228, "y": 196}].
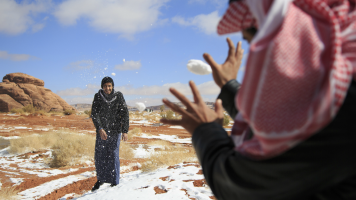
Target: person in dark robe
[{"x": 111, "y": 120}]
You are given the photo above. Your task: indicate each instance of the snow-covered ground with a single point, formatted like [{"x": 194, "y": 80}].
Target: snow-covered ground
[
  {"x": 174, "y": 183},
  {"x": 177, "y": 183}
]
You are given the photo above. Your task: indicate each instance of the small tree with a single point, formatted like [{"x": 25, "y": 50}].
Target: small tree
[{"x": 161, "y": 108}]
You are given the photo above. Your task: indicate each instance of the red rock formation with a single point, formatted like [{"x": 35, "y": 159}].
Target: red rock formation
[{"x": 28, "y": 90}]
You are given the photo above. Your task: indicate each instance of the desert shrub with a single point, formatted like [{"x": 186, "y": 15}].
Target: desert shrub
[
  {"x": 41, "y": 112},
  {"x": 29, "y": 109},
  {"x": 170, "y": 114},
  {"x": 68, "y": 148},
  {"x": 126, "y": 151},
  {"x": 161, "y": 108},
  {"x": 72, "y": 149},
  {"x": 171, "y": 156},
  {"x": 134, "y": 133},
  {"x": 68, "y": 112},
  {"x": 31, "y": 143},
  {"x": 9, "y": 193},
  {"x": 17, "y": 110},
  {"x": 87, "y": 112},
  {"x": 226, "y": 120},
  {"x": 4, "y": 143}
]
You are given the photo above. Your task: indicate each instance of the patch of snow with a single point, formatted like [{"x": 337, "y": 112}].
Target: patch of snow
[
  {"x": 48, "y": 187},
  {"x": 21, "y": 127},
  {"x": 17, "y": 181},
  {"x": 138, "y": 185},
  {"x": 171, "y": 138},
  {"x": 177, "y": 127},
  {"x": 198, "y": 67}
]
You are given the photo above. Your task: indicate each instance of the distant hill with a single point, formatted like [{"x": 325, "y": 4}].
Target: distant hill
[{"x": 83, "y": 106}]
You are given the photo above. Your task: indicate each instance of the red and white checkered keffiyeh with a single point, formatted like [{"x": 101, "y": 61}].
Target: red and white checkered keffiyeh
[{"x": 300, "y": 65}]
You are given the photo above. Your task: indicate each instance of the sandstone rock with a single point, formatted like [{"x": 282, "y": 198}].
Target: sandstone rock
[
  {"x": 30, "y": 93},
  {"x": 22, "y": 78},
  {"x": 8, "y": 103}
]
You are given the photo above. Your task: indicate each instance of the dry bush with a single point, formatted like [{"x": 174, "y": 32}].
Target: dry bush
[
  {"x": 134, "y": 133},
  {"x": 17, "y": 110},
  {"x": 67, "y": 148},
  {"x": 29, "y": 109},
  {"x": 88, "y": 112},
  {"x": 163, "y": 143},
  {"x": 52, "y": 113},
  {"x": 41, "y": 112},
  {"x": 152, "y": 118},
  {"x": 71, "y": 149},
  {"x": 226, "y": 120},
  {"x": 126, "y": 151},
  {"x": 172, "y": 156},
  {"x": 4, "y": 143},
  {"x": 9, "y": 193},
  {"x": 170, "y": 114},
  {"x": 32, "y": 143},
  {"x": 68, "y": 112}
]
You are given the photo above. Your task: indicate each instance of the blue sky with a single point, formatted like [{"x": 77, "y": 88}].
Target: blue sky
[{"x": 71, "y": 45}]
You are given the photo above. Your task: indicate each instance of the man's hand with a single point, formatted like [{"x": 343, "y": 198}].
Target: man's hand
[
  {"x": 227, "y": 71},
  {"x": 103, "y": 134},
  {"x": 124, "y": 136},
  {"x": 197, "y": 112}
]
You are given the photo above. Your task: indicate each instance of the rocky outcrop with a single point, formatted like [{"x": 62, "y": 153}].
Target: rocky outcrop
[
  {"x": 8, "y": 103},
  {"x": 28, "y": 90}
]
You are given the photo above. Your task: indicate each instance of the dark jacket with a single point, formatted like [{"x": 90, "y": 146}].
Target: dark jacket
[
  {"x": 322, "y": 167},
  {"x": 110, "y": 112}
]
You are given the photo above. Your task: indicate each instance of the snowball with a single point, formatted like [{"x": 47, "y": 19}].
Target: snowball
[
  {"x": 113, "y": 74},
  {"x": 123, "y": 60},
  {"x": 140, "y": 106},
  {"x": 198, "y": 67}
]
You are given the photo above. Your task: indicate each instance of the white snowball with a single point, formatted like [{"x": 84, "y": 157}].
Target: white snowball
[
  {"x": 140, "y": 106},
  {"x": 198, "y": 67},
  {"x": 113, "y": 74},
  {"x": 123, "y": 59}
]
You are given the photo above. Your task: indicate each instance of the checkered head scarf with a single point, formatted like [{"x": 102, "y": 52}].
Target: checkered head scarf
[{"x": 300, "y": 65}]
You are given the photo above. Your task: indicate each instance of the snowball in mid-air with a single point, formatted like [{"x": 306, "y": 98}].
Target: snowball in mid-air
[
  {"x": 113, "y": 74},
  {"x": 198, "y": 67},
  {"x": 140, "y": 106},
  {"x": 123, "y": 60}
]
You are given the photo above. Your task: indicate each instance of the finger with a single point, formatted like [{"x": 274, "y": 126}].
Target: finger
[
  {"x": 210, "y": 60},
  {"x": 175, "y": 107},
  {"x": 239, "y": 52},
  {"x": 196, "y": 93},
  {"x": 219, "y": 108},
  {"x": 231, "y": 48},
  {"x": 181, "y": 98},
  {"x": 183, "y": 112}
]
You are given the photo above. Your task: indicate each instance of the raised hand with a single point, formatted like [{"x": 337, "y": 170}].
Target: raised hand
[
  {"x": 227, "y": 71},
  {"x": 197, "y": 112}
]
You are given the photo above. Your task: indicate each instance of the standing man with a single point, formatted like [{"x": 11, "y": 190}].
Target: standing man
[{"x": 111, "y": 120}]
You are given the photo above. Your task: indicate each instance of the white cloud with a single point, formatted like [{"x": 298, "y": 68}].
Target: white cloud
[
  {"x": 125, "y": 17},
  {"x": 205, "y": 23},
  {"x": 129, "y": 65},
  {"x": 91, "y": 89},
  {"x": 80, "y": 65},
  {"x": 16, "y": 18},
  {"x": 15, "y": 57}
]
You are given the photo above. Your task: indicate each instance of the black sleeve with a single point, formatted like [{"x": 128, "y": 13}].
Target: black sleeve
[
  {"x": 95, "y": 109},
  {"x": 124, "y": 114},
  {"x": 227, "y": 95}
]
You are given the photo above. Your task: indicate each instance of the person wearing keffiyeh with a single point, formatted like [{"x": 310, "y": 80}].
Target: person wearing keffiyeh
[{"x": 294, "y": 135}]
